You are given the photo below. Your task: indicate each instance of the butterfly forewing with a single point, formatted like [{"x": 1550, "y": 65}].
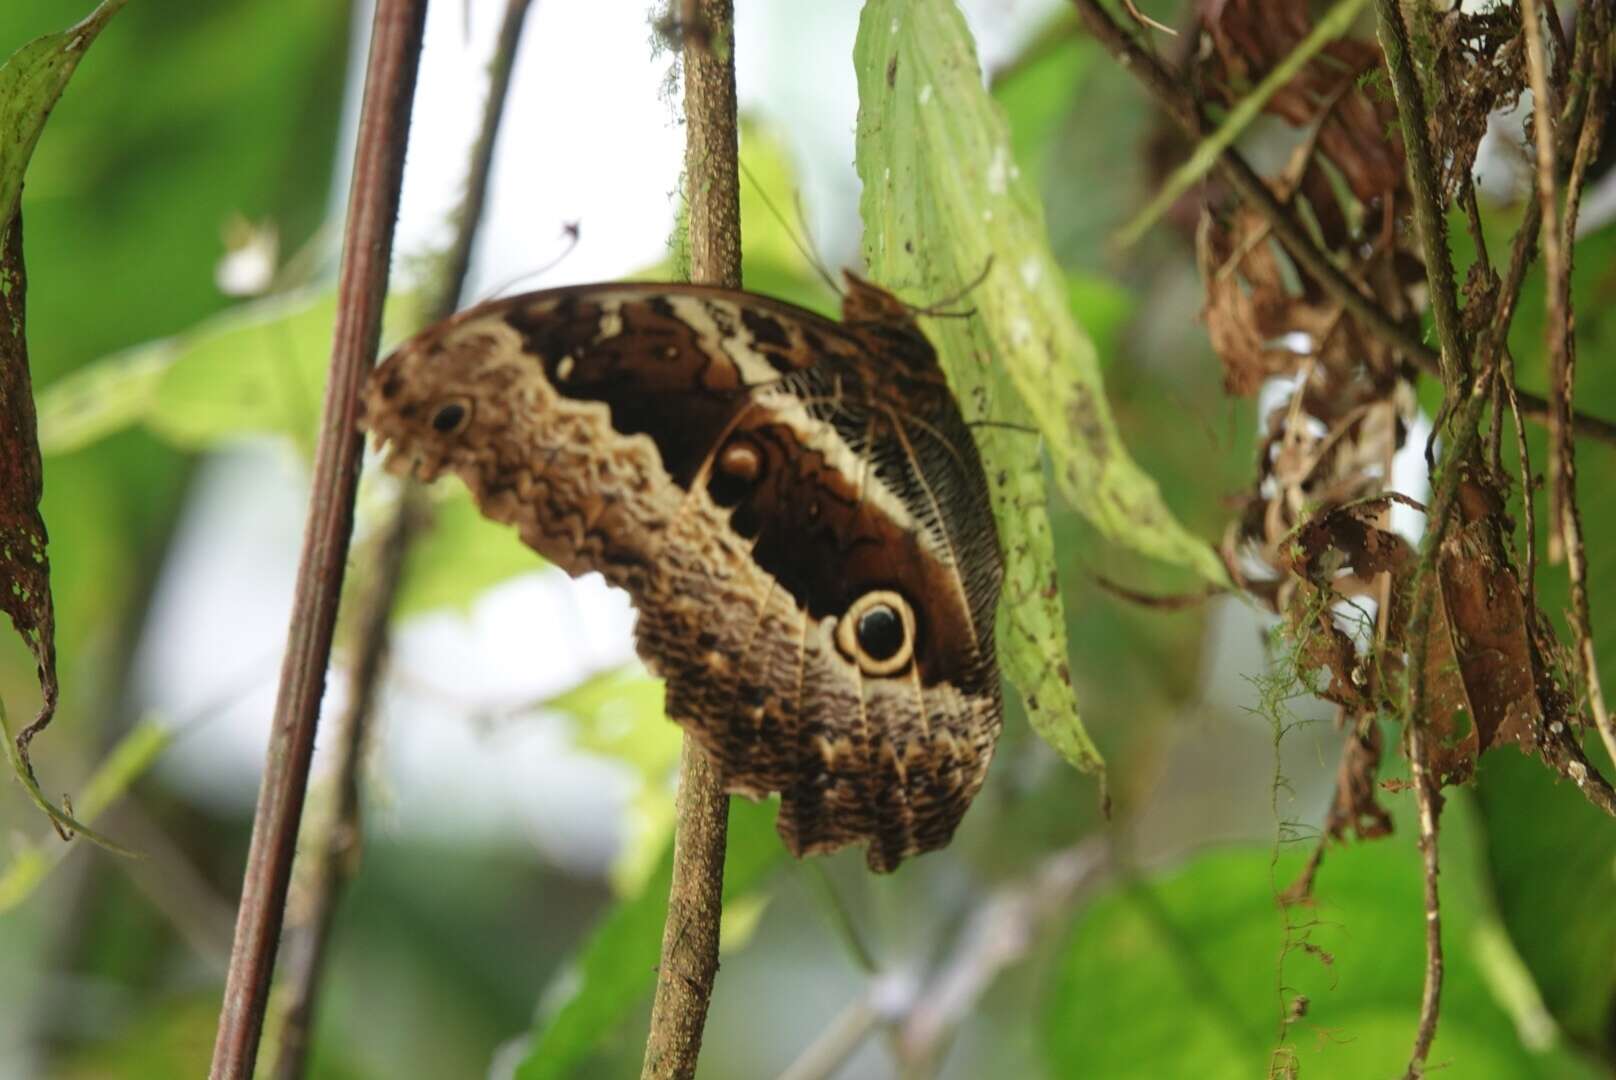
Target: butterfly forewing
[{"x": 794, "y": 504}]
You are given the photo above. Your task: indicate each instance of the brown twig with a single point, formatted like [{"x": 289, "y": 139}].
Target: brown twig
[
  {"x": 367, "y": 245},
  {"x": 1556, "y": 272},
  {"x": 1429, "y": 800},
  {"x": 689, "y": 962},
  {"x": 1180, "y": 104},
  {"x": 336, "y": 859},
  {"x": 1456, "y": 383},
  {"x": 337, "y": 856},
  {"x": 1561, "y": 749}
]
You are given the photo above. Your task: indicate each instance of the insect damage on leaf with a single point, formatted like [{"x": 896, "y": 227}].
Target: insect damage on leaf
[{"x": 24, "y": 566}]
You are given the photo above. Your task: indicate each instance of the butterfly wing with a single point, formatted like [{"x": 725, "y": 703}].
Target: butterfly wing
[{"x": 794, "y": 504}]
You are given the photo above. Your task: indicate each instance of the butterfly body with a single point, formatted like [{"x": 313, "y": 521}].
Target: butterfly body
[{"x": 795, "y": 505}]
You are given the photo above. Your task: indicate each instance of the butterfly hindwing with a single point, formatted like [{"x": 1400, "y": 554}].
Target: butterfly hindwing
[{"x": 794, "y": 504}]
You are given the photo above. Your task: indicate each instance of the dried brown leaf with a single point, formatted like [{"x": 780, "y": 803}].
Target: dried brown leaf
[
  {"x": 1250, "y": 37},
  {"x": 24, "y": 567}
]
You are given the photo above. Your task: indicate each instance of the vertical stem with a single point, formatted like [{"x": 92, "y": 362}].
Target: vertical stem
[
  {"x": 1429, "y": 800},
  {"x": 1553, "y": 259},
  {"x": 689, "y": 961},
  {"x": 338, "y": 851},
  {"x": 712, "y": 142},
  {"x": 367, "y": 246},
  {"x": 1559, "y": 232},
  {"x": 337, "y": 855},
  {"x": 1427, "y": 199}
]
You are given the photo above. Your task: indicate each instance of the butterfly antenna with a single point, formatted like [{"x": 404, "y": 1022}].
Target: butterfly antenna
[
  {"x": 939, "y": 310},
  {"x": 1005, "y": 424},
  {"x": 805, "y": 249},
  {"x": 812, "y": 253},
  {"x": 571, "y": 230}
]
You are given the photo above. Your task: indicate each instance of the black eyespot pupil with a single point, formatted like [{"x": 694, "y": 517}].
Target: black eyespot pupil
[
  {"x": 727, "y": 490},
  {"x": 448, "y": 418},
  {"x": 880, "y": 632}
]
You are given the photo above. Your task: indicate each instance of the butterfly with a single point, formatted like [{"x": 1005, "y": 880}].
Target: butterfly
[{"x": 794, "y": 504}]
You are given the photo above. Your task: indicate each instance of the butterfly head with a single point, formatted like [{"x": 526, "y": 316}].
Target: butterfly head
[{"x": 865, "y": 303}]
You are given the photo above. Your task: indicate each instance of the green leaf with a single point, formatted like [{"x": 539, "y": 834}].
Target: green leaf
[
  {"x": 257, "y": 369},
  {"x": 30, "y": 82},
  {"x": 896, "y": 209},
  {"x": 102, "y": 398},
  {"x": 619, "y": 713},
  {"x": 127, "y": 761},
  {"x": 616, "y": 968},
  {"x": 461, "y": 555},
  {"x": 1103, "y": 308},
  {"x": 1186, "y": 974},
  {"x": 944, "y": 203},
  {"x": 1552, "y": 858}
]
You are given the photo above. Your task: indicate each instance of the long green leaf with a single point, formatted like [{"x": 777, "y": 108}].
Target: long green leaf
[
  {"x": 104, "y": 786},
  {"x": 945, "y": 204},
  {"x": 909, "y": 228},
  {"x": 30, "y": 82}
]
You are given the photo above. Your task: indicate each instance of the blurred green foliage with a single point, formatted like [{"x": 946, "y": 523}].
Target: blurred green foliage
[
  {"x": 456, "y": 959},
  {"x": 1200, "y": 973}
]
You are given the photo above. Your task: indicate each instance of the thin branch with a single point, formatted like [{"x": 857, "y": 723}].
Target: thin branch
[
  {"x": 1565, "y": 519},
  {"x": 1000, "y": 934},
  {"x": 1561, "y": 749},
  {"x": 469, "y": 215},
  {"x": 1182, "y": 107},
  {"x": 689, "y": 962},
  {"x": 338, "y": 854},
  {"x": 337, "y": 858},
  {"x": 1455, "y": 359},
  {"x": 826, "y": 1055},
  {"x": 1430, "y": 808},
  {"x": 1556, "y": 272},
  {"x": 362, "y": 284},
  {"x": 1456, "y": 381}
]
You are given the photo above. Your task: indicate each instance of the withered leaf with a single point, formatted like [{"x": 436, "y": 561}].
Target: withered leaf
[
  {"x": 1250, "y": 37},
  {"x": 1356, "y": 805},
  {"x": 31, "y": 81},
  {"x": 1481, "y": 679},
  {"x": 24, "y": 567}
]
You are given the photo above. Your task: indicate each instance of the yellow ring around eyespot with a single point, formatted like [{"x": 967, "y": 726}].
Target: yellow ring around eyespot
[{"x": 847, "y": 633}]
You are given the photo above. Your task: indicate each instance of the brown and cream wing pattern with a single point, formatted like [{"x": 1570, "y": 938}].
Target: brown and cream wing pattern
[{"x": 795, "y": 505}]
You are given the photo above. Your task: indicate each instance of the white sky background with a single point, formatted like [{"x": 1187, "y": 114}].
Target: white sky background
[{"x": 587, "y": 138}]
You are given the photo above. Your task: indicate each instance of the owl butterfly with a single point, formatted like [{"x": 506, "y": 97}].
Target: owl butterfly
[{"x": 795, "y": 506}]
